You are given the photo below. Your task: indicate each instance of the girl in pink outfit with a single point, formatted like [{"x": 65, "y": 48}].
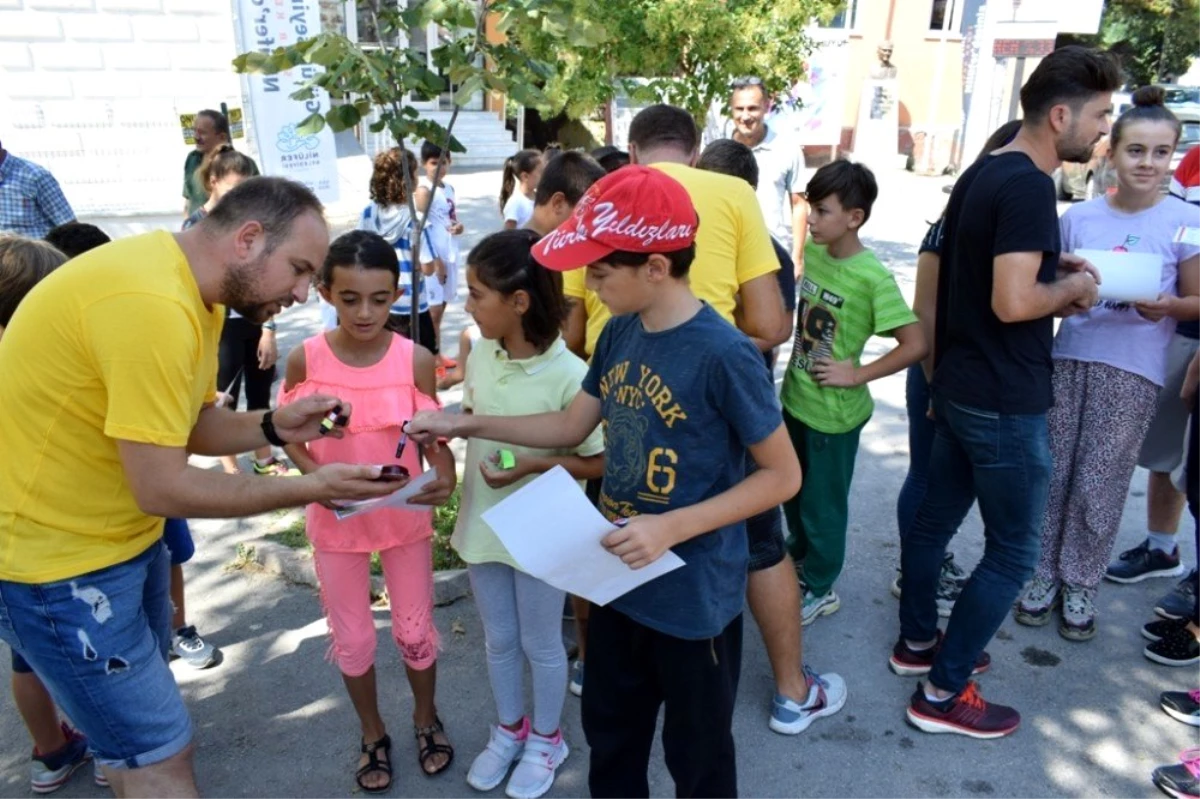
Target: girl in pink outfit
[{"x": 384, "y": 379}]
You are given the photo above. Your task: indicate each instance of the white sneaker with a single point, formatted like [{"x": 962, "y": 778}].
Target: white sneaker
[
  {"x": 490, "y": 766},
  {"x": 826, "y": 697},
  {"x": 534, "y": 774}
]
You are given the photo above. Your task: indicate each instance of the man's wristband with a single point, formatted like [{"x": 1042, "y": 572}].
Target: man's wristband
[{"x": 269, "y": 431}]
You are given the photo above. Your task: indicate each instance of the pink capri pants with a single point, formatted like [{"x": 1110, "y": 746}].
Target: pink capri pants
[{"x": 345, "y": 579}]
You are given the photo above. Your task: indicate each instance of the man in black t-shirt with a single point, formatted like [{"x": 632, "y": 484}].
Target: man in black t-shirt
[{"x": 1002, "y": 279}]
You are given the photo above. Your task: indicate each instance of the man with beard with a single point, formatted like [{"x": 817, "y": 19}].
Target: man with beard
[
  {"x": 1001, "y": 281},
  {"x": 109, "y": 382},
  {"x": 782, "y": 174}
]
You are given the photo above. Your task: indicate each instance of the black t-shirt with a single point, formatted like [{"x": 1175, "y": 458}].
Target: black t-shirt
[{"x": 1001, "y": 204}]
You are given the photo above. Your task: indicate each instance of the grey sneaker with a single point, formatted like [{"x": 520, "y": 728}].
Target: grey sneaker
[
  {"x": 817, "y": 606},
  {"x": 188, "y": 646},
  {"x": 1180, "y": 603},
  {"x": 1078, "y": 613},
  {"x": 950, "y": 585},
  {"x": 1143, "y": 562},
  {"x": 1034, "y": 606}
]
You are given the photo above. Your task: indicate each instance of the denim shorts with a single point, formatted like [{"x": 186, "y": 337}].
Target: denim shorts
[
  {"x": 178, "y": 538},
  {"x": 99, "y": 642}
]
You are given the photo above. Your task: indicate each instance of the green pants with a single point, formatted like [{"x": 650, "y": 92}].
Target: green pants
[{"x": 817, "y": 516}]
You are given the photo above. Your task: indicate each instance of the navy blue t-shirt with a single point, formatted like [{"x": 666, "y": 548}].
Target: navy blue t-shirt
[{"x": 680, "y": 407}]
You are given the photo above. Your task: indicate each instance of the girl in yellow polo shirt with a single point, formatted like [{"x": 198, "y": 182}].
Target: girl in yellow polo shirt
[{"x": 520, "y": 366}]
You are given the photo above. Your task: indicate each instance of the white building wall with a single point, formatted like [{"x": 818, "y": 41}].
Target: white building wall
[{"x": 93, "y": 89}]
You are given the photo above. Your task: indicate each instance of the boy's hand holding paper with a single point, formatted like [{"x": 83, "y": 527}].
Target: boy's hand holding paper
[{"x": 640, "y": 541}]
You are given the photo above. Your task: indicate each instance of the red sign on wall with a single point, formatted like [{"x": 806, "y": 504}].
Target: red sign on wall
[{"x": 1022, "y": 48}]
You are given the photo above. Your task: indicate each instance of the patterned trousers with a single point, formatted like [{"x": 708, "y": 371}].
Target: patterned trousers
[{"x": 1097, "y": 425}]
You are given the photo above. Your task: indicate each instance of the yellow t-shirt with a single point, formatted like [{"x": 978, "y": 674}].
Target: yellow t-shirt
[
  {"x": 116, "y": 344},
  {"x": 733, "y": 246}
]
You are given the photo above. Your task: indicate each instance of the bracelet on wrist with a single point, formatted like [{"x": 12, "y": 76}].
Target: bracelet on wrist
[{"x": 269, "y": 431}]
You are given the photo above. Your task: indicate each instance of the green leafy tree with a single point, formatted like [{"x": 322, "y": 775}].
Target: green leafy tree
[
  {"x": 687, "y": 50},
  {"x": 383, "y": 80},
  {"x": 1154, "y": 39}
]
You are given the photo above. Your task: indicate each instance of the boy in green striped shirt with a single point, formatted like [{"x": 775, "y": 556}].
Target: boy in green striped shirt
[{"x": 846, "y": 296}]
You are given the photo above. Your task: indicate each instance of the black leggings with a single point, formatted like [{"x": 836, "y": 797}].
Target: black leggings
[
  {"x": 1190, "y": 469},
  {"x": 402, "y": 323},
  {"x": 237, "y": 360}
]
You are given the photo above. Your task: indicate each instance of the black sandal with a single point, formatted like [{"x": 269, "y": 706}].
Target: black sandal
[
  {"x": 428, "y": 747},
  {"x": 384, "y": 744}
]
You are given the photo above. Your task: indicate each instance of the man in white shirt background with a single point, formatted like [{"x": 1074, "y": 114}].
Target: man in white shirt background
[{"x": 781, "y": 168}]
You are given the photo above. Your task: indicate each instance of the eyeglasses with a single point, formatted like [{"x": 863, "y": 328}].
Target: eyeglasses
[{"x": 744, "y": 83}]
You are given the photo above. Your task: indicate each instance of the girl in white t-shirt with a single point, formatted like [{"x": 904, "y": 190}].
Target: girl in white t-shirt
[
  {"x": 1109, "y": 363},
  {"x": 444, "y": 228},
  {"x": 521, "y": 174}
]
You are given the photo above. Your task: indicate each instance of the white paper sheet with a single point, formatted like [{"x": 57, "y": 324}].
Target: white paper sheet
[
  {"x": 398, "y": 499},
  {"x": 1126, "y": 276},
  {"x": 551, "y": 529},
  {"x": 1188, "y": 235}
]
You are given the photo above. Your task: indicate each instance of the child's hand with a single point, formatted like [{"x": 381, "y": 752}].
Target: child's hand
[
  {"x": 641, "y": 541},
  {"x": 835, "y": 374},
  {"x": 223, "y": 400},
  {"x": 456, "y": 229},
  {"x": 428, "y": 426},
  {"x": 300, "y": 421},
  {"x": 497, "y": 477},
  {"x": 436, "y": 491},
  {"x": 1154, "y": 310}
]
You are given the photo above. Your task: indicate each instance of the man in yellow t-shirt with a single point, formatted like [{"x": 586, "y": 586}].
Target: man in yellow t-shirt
[
  {"x": 735, "y": 262},
  {"x": 108, "y": 383}
]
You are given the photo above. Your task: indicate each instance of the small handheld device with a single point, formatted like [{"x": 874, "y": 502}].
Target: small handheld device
[
  {"x": 391, "y": 473},
  {"x": 335, "y": 418},
  {"x": 506, "y": 459}
]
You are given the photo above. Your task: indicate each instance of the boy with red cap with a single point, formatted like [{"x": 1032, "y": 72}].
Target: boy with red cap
[{"x": 684, "y": 396}]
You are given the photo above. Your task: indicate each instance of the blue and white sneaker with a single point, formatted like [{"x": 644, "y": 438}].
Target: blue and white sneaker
[
  {"x": 826, "y": 696},
  {"x": 576, "y": 684}
]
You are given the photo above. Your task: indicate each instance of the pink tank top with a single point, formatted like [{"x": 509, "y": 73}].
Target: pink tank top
[{"x": 383, "y": 397}]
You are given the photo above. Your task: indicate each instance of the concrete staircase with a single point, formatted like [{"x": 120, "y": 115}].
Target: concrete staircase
[{"x": 487, "y": 141}]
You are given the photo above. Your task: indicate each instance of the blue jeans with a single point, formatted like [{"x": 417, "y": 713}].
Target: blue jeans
[
  {"x": 920, "y": 446},
  {"x": 99, "y": 643},
  {"x": 1003, "y": 461}
]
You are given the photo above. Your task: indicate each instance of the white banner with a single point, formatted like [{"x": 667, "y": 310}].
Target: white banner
[{"x": 312, "y": 160}]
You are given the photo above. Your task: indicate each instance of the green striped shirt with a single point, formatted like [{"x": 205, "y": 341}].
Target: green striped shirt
[{"x": 842, "y": 304}]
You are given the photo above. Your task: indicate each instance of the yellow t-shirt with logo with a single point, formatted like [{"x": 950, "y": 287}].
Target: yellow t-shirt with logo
[
  {"x": 116, "y": 344},
  {"x": 733, "y": 246}
]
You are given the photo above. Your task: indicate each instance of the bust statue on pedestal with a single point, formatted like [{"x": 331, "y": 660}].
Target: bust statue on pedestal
[
  {"x": 876, "y": 134},
  {"x": 885, "y": 69}
]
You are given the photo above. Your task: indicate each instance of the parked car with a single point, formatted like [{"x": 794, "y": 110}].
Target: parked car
[
  {"x": 1189, "y": 138},
  {"x": 1074, "y": 181}
]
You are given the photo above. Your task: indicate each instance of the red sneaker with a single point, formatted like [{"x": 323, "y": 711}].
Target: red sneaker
[
  {"x": 908, "y": 662},
  {"x": 965, "y": 714}
]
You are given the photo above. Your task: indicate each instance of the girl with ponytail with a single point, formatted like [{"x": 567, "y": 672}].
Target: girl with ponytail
[
  {"x": 521, "y": 174},
  {"x": 1109, "y": 364}
]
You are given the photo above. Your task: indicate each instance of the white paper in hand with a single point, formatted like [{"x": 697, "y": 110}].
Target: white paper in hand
[
  {"x": 1126, "y": 276},
  {"x": 551, "y": 529},
  {"x": 398, "y": 499}
]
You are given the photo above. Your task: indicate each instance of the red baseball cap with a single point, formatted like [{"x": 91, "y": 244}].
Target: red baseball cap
[{"x": 634, "y": 209}]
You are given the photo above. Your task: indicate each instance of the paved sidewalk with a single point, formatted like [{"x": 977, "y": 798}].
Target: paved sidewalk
[{"x": 274, "y": 720}]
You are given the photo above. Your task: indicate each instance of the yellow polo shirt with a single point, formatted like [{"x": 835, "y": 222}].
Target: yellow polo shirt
[
  {"x": 733, "y": 246},
  {"x": 117, "y": 344}
]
